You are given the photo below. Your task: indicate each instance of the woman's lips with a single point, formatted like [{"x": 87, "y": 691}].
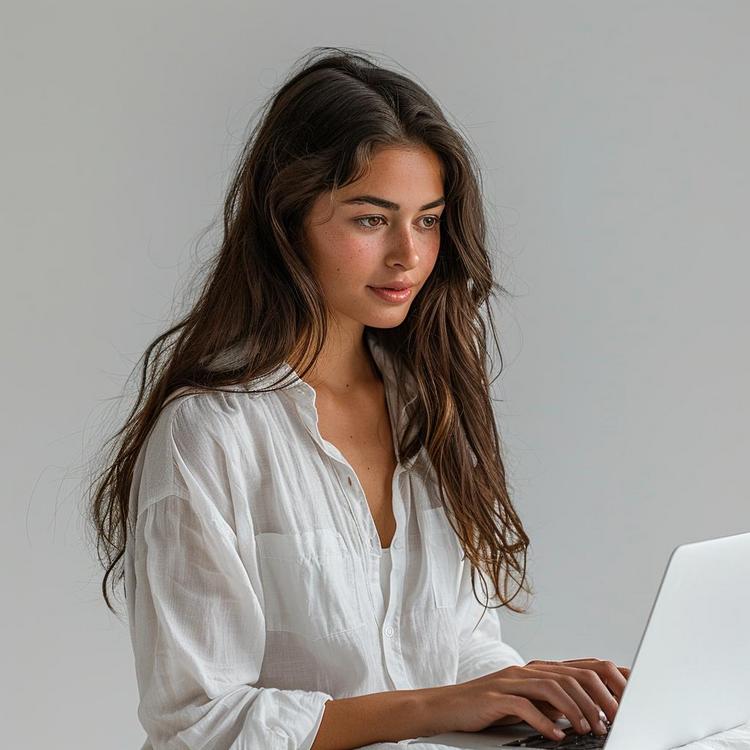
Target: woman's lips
[{"x": 392, "y": 295}]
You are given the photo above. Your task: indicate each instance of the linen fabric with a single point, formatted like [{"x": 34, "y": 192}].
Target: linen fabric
[{"x": 252, "y": 574}]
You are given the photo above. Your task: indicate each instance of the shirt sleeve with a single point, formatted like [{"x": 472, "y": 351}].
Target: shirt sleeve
[
  {"x": 198, "y": 628},
  {"x": 481, "y": 647}
]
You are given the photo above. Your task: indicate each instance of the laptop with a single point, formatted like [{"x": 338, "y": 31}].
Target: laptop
[{"x": 690, "y": 675}]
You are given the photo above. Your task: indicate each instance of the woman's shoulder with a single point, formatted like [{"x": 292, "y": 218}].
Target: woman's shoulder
[
  {"x": 202, "y": 441},
  {"x": 194, "y": 412}
]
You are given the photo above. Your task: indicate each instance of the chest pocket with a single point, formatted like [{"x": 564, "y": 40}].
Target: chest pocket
[
  {"x": 443, "y": 553},
  {"x": 310, "y": 583}
]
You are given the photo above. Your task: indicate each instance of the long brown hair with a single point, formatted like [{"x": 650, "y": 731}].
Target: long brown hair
[{"x": 260, "y": 301}]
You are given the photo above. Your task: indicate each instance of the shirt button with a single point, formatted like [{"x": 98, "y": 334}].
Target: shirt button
[{"x": 389, "y": 631}]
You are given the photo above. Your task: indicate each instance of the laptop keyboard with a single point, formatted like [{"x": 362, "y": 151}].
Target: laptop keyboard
[{"x": 572, "y": 739}]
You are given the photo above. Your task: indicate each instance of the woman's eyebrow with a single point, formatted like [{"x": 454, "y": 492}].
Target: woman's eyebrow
[{"x": 390, "y": 205}]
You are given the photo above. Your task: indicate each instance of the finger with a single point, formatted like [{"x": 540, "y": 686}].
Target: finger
[
  {"x": 576, "y": 661},
  {"x": 603, "y": 694},
  {"x": 515, "y": 705},
  {"x": 538, "y": 685},
  {"x": 608, "y": 673},
  {"x": 543, "y": 706},
  {"x": 618, "y": 686},
  {"x": 553, "y": 713},
  {"x": 548, "y": 709},
  {"x": 584, "y": 688}
]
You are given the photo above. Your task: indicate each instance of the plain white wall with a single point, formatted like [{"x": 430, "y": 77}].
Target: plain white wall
[{"x": 613, "y": 143}]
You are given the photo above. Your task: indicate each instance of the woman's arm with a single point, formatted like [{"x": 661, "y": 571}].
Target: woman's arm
[
  {"x": 538, "y": 693},
  {"x": 199, "y": 639},
  {"x": 379, "y": 717}
]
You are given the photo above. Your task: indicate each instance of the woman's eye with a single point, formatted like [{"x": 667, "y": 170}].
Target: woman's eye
[
  {"x": 367, "y": 218},
  {"x": 433, "y": 222}
]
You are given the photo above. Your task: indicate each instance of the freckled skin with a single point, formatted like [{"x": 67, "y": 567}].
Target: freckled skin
[{"x": 348, "y": 256}]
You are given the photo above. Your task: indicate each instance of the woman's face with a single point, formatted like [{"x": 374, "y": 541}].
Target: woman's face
[{"x": 381, "y": 230}]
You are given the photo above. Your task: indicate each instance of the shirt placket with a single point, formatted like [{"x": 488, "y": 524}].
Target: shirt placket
[
  {"x": 342, "y": 470},
  {"x": 390, "y": 632},
  {"x": 367, "y": 536}
]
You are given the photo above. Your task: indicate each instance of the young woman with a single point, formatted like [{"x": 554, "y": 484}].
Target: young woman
[{"x": 311, "y": 484}]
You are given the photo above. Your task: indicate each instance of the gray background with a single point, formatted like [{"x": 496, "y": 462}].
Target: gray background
[{"x": 613, "y": 143}]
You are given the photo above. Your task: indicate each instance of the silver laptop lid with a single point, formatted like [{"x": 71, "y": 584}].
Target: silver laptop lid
[{"x": 691, "y": 672}]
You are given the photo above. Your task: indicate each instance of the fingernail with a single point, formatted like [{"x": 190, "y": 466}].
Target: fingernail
[
  {"x": 585, "y": 725},
  {"x": 602, "y": 728},
  {"x": 558, "y": 733}
]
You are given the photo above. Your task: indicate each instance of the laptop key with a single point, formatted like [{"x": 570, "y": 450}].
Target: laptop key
[{"x": 571, "y": 740}]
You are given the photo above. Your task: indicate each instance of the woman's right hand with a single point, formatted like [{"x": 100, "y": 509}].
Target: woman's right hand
[{"x": 538, "y": 693}]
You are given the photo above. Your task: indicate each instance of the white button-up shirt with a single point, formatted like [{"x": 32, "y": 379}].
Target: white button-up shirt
[{"x": 252, "y": 574}]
